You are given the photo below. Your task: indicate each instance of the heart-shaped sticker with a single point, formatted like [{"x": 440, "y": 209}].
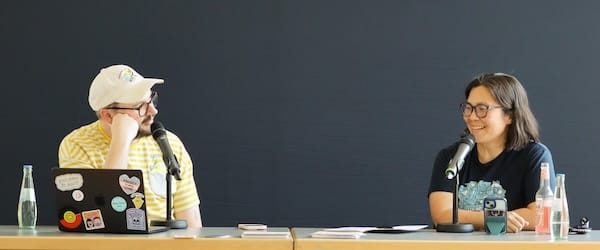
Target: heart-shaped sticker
[{"x": 129, "y": 185}]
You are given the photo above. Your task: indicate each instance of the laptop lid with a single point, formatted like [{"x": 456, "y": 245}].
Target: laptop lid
[{"x": 101, "y": 201}]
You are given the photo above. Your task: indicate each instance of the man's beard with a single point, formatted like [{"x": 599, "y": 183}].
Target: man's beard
[{"x": 142, "y": 132}]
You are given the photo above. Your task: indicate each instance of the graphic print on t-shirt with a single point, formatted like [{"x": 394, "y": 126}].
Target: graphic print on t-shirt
[{"x": 471, "y": 194}]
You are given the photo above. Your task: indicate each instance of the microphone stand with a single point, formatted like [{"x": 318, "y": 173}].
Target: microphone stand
[
  {"x": 455, "y": 227},
  {"x": 172, "y": 171}
]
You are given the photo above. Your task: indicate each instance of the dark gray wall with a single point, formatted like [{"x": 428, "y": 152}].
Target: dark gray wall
[{"x": 301, "y": 113}]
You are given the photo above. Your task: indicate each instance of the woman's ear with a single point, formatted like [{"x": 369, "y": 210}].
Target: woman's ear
[{"x": 508, "y": 117}]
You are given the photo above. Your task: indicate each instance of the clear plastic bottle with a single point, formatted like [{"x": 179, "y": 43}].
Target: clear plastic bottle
[
  {"x": 543, "y": 201},
  {"x": 560, "y": 211},
  {"x": 27, "y": 208}
]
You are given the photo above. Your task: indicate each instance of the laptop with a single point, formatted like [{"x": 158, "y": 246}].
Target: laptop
[{"x": 101, "y": 201}]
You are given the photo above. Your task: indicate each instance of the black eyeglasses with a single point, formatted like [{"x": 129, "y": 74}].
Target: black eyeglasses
[
  {"x": 481, "y": 110},
  {"x": 143, "y": 108}
]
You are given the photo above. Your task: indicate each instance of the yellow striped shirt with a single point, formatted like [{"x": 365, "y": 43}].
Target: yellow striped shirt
[{"x": 87, "y": 147}]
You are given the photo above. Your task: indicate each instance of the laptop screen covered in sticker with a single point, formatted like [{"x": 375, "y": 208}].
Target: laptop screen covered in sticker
[{"x": 101, "y": 201}]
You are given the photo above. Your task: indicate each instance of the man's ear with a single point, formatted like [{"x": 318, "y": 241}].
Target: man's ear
[{"x": 105, "y": 115}]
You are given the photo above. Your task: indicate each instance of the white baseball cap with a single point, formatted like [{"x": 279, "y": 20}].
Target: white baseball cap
[{"x": 119, "y": 83}]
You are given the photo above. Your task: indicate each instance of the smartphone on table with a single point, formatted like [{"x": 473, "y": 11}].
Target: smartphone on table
[{"x": 494, "y": 213}]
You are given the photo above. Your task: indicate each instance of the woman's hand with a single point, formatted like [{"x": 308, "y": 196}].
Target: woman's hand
[{"x": 515, "y": 223}]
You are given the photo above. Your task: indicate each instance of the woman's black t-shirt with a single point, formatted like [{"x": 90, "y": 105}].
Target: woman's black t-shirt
[{"x": 514, "y": 174}]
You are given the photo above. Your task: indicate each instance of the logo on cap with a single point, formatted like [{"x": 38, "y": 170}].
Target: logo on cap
[{"x": 127, "y": 75}]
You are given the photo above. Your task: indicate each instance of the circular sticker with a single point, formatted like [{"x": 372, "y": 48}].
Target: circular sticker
[
  {"x": 69, "y": 216},
  {"x": 78, "y": 195},
  {"x": 118, "y": 203},
  {"x": 70, "y": 220}
]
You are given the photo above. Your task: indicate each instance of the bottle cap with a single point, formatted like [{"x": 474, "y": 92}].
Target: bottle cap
[{"x": 27, "y": 166}]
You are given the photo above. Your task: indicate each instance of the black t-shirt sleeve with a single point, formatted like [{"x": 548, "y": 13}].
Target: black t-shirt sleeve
[
  {"x": 439, "y": 181},
  {"x": 537, "y": 154}
]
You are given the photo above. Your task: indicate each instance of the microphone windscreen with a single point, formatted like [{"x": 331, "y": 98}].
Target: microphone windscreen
[
  {"x": 158, "y": 129},
  {"x": 468, "y": 139}
]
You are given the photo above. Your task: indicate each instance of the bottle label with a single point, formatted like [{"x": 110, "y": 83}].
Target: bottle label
[
  {"x": 27, "y": 194},
  {"x": 543, "y": 217}
]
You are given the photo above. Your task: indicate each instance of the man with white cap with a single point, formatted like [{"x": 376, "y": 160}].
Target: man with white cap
[{"x": 121, "y": 139}]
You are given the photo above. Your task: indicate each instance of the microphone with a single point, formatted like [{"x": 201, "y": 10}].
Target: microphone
[
  {"x": 160, "y": 136},
  {"x": 456, "y": 163}
]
